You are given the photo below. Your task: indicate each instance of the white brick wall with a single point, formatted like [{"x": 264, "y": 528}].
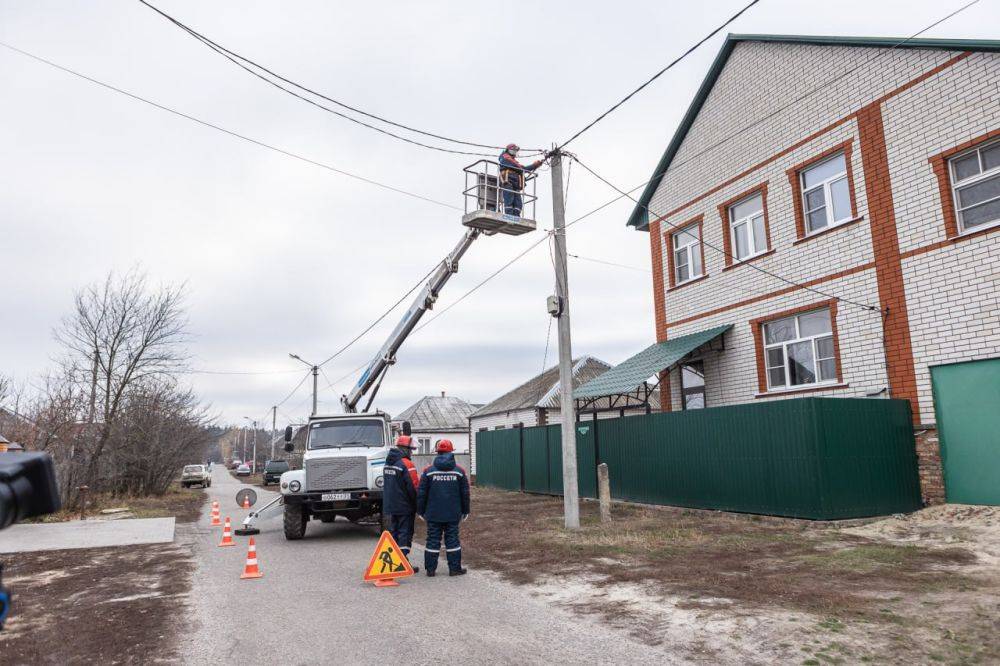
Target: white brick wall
[{"x": 952, "y": 292}]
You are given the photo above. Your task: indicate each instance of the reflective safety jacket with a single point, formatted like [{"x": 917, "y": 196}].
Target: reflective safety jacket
[
  {"x": 399, "y": 496},
  {"x": 443, "y": 494},
  {"x": 512, "y": 172}
]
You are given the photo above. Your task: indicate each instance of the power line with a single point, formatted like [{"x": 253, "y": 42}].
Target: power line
[
  {"x": 661, "y": 72},
  {"x": 608, "y": 263},
  {"x": 243, "y": 62},
  {"x": 722, "y": 251},
  {"x": 237, "y": 135},
  {"x": 297, "y": 387}
]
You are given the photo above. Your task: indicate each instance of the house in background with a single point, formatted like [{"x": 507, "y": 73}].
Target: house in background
[
  {"x": 439, "y": 417},
  {"x": 536, "y": 402},
  {"x": 829, "y": 209},
  {"x": 8, "y": 446}
]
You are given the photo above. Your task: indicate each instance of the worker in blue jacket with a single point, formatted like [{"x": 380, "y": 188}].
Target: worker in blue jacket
[
  {"x": 512, "y": 179},
  {"x": 399, "y": 495},
  {"x": 443, "y": 501}
]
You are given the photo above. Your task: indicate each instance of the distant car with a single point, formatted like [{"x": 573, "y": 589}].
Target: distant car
[
  {"x": 273, "y": 470},
  {"x": 236, "y": 462},
  {"x": 196, "y": 475},
  {"x": 243, "y": 470}
]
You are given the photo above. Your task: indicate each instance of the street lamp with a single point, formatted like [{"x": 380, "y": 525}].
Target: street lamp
[
  {"x": 315, "y": 374},
  {"x": 253, "y": 464}
]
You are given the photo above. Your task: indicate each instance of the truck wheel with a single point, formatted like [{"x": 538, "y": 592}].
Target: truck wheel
[{"x": 295, "y": 522}]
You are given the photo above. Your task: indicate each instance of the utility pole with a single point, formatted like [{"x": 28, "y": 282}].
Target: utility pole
[
  {"x": 315, "y": 374},
  {"x": 253, "y": 464},
  {"x": 560, "y": 310},
  {"x": 274, "y": 428}
]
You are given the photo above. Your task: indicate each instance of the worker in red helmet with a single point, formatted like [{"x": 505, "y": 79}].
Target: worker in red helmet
[
  {"x": 443, "y": 501},
  {"x": 399, "y": 495},
  {"x": 512, "y": 179}
]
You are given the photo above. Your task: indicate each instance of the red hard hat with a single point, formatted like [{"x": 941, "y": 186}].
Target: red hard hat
[
  {"x": 513, "y": 146},
  {"x": 404, "y": 440},
  {"x": 445, "y": 446}
]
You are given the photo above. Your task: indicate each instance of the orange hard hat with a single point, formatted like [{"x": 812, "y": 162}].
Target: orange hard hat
[
  {"x": 404, "y": 440},
  {"x": 445, "y": 446}
]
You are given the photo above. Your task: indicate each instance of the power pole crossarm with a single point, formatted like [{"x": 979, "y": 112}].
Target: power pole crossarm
[{"x": 571, "y": 500}]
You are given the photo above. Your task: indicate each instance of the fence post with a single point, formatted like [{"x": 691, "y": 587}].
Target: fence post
[{"x": 604, "y": 492}]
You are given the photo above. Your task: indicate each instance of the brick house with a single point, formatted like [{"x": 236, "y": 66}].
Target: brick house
[{"x": 837, "y": 201}]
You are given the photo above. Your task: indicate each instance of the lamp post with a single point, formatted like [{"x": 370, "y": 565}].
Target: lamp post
[
  {"x": 315, "y": 374},
  {"x": 253, "y": 464}
]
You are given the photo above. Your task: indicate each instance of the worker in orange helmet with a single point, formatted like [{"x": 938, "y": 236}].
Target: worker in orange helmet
[
  {"x": 443, "y": 501},
  {"x": 512, "y": 179},
  {"x": 399, "y": 497}
]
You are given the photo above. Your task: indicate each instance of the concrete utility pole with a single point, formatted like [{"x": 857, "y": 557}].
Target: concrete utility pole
[
  {"x": 571, "y": 496},
  {"x": 315, "y": 374},
  {"x": 253, "y": 465},
  {"x": 274, "y": 428}
]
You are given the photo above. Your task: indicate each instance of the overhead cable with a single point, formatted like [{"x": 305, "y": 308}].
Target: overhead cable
[{"x": 229, "y": 132}]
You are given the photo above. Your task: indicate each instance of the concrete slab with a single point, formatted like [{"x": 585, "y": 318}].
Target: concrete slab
[{"x": 86, "y": 534}]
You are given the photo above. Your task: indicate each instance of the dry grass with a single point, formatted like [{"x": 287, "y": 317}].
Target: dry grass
[{"x": 182, "y": 503}]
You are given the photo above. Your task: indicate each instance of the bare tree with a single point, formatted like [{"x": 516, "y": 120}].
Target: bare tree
[{"x": 122, "y": 335}]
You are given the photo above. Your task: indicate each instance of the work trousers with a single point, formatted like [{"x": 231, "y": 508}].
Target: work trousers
[
  {"x": 401, "y": 529},
  {"x": 512, "y": 202},
  {"x": 453, "y": 547}
]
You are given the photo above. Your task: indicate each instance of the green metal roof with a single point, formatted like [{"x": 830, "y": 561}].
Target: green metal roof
[
  {"x": 640, "y": 216},
  {"x": 627, "y": 375}
]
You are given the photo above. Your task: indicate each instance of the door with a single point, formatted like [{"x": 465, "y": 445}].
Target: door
[{"x": 966, "y": 400}]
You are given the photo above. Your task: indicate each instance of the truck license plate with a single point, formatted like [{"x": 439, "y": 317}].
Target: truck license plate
[{"x": 334, "y": 497}]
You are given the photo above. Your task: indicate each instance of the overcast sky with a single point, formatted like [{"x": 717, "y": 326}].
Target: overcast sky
[{"x": 281, "y": 256}]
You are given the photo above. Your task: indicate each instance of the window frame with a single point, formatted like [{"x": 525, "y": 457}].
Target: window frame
[
  {"x": 672, "y": 251},
  {"x": 763, "y": 377},
  {"x": 796, "y": 177},
  {"x": 748, "y": 221},
  {"x": 982, "y": 176},
  {"x": 686, "y": 391}
]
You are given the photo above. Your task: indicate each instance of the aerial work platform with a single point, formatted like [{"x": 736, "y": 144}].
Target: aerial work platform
[{"x": 492, "y": 206}]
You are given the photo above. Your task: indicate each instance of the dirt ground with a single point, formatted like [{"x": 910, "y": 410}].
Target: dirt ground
[
  {"x": 102, "y": 605},
  {"x": 728, "y": 588},
  {"x": 183, "y": 503}
]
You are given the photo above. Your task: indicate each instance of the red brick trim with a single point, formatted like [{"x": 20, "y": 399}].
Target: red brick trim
[
  {"x": 665, "y": 395},
  {"x": 801, "y": 142},
  {"x": 811, "y": 389},
  {"x": 659, "y": 296},
  {"x": 826, "y": 230},
  {"x": 727, "y": 241},
  {"x": 688, "y": 282},
  {"x": 774, "y": 294},
  {"x": 888, "y": 263},
  {"x": 757, "y": 328},
  {"x": 939, "y": 163},
  {"x": 668, "y": 238},
  {"x": 750, "y": 260},
  {"x": 949, "y": 241},
  {"x": 796, "y": 183}
]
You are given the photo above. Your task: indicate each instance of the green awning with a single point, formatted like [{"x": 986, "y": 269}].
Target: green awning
[{"x": 629, "y": 374}]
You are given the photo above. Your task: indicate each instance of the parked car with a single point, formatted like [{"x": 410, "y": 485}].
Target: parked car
[
  {"x": 196, "y": 474},
  {"x": 243, "y": 470},
  {"x": 236, "y": 462},
  {"x": 273, "y": 470}
]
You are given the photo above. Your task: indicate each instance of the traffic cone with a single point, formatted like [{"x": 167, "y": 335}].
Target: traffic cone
[
  {"x": 215, "y": 514},
  {"x": 246, "y": 501},
  {"x": 227, "y": 535},
  {"x": 251, "y": 570}
]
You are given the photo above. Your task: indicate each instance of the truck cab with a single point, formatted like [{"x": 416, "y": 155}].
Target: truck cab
[{"x": 341, "y": 471}]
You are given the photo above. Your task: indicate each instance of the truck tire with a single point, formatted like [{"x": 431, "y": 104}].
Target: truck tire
[{"x": 295, "y": 519}]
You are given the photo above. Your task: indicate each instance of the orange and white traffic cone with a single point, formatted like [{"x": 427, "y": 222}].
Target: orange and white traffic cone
[
  {"x": 215, "y": 514},
  {"x": 246, "y": 501},
  {"x": 251, "y": 570},
  {"x": 227, "y": 535}
]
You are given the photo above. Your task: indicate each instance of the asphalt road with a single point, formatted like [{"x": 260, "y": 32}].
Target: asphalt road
[{"x": 311, "y": 606}]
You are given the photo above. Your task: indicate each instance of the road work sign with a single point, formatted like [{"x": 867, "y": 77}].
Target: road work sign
[{"x": 387, "y": 563}]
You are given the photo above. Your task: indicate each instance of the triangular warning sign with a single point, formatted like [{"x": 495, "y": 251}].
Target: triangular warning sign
[{"x": 387, "y": 561}]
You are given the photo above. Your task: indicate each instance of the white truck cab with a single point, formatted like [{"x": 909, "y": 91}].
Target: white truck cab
[{"x": 341, "y": 471}]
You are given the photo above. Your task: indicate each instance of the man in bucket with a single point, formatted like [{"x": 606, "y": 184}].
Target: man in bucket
[
  {"x": 399, "y": 499},
  {"x": 443, "y": 501},
  {"x": 512, "y": 179}
]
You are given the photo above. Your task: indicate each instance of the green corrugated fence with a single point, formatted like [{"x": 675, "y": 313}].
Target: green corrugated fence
[{"x": 821, "y": 458}]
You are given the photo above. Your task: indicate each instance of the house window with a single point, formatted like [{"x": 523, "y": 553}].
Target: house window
[
  {"x": 826, "y": 193},
  {"x": 746, "y": 226},
  {"x": 425, "y": 444},
  {"x": 499, "y": 427},
  {"x": 975, "y": 180},
  {"x": 799, "y": 350},
  {"x": 693, "y": 385},
  {"x": 687, "y": 253}
]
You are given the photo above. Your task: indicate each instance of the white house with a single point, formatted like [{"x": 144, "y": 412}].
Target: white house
[{"x": 439, "y": 417}]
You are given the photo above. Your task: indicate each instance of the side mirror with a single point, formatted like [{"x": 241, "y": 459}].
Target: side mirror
[
  {"x": 288, "y": 435},
  {"x": 406, "y": 428},
  {"x": 289, "y": 447}
]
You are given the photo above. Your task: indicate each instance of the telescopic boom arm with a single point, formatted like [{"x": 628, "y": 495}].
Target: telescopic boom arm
[{"x": 372, "y": 376}]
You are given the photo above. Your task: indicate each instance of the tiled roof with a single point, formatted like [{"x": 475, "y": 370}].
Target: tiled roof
[
  {"x": 436, "y": 413},
  {"x": 543, "y": 390}
]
